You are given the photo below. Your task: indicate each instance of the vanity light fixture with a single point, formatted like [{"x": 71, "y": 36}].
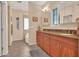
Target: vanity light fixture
[{"x": 45, "y": 9}]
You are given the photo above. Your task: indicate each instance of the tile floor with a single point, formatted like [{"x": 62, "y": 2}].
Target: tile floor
[{"x": 21, "y": 49}]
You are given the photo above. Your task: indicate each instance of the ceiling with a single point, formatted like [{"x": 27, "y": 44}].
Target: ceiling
[
  {"x": 23, "y": 5},
  {"x": 39, "y": 3}
]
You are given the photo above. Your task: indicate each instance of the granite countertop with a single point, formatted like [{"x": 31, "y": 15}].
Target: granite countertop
[{"x": 62, "y": 34}]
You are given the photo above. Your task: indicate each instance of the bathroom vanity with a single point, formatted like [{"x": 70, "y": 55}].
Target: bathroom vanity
[{"x": 58, "y": 44}]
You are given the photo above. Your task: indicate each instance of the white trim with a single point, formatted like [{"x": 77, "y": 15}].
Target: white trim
[
  {"x": 0, "y": 32},
  {"x": 5, "y": 28}
]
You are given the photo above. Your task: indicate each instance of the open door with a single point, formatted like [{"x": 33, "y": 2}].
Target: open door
[{"x": 0, "y": 30}]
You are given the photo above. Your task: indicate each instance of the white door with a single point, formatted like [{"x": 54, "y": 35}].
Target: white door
[{"x": 0, "y": 30}]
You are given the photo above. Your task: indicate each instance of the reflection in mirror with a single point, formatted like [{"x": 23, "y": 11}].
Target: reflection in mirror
[{"x": 67, "y": 19}]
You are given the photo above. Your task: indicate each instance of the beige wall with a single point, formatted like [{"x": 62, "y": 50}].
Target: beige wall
[{"x": 34, "y": 11}]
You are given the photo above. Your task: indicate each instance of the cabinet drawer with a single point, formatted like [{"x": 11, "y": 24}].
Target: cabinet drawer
[{"x": 68, "y": 50}]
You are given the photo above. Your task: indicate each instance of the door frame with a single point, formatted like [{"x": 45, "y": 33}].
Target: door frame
[{"x": 0, "y": 29}]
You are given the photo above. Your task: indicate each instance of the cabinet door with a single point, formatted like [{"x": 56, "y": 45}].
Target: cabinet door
[
  {"x": 38, "y": 39},
  {"x": 68, "y": 50},
  {"x": 41, "y": 39},
  {"x": 54, "y": 46},
  {"x": 40, "y": 43},
  {"x": 46, "y": 42},
  {"x": 78, "y": 48},
  {"x": 69, "y": 47}
]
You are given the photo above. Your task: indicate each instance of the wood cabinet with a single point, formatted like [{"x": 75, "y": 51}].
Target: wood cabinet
[
  {"x": 69, "y": 47},
  {"x": 46, "y": 42},
  {"x": 78, "y": 48},
  {"x": 57, "y": 46},
  {"x": 54, "y": 46},
  {"x": 68, "y": 50},
  {"x": 40, "y": 39}
]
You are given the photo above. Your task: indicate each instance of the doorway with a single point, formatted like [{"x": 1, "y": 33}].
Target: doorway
[{"x": 26, "y": 29}]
